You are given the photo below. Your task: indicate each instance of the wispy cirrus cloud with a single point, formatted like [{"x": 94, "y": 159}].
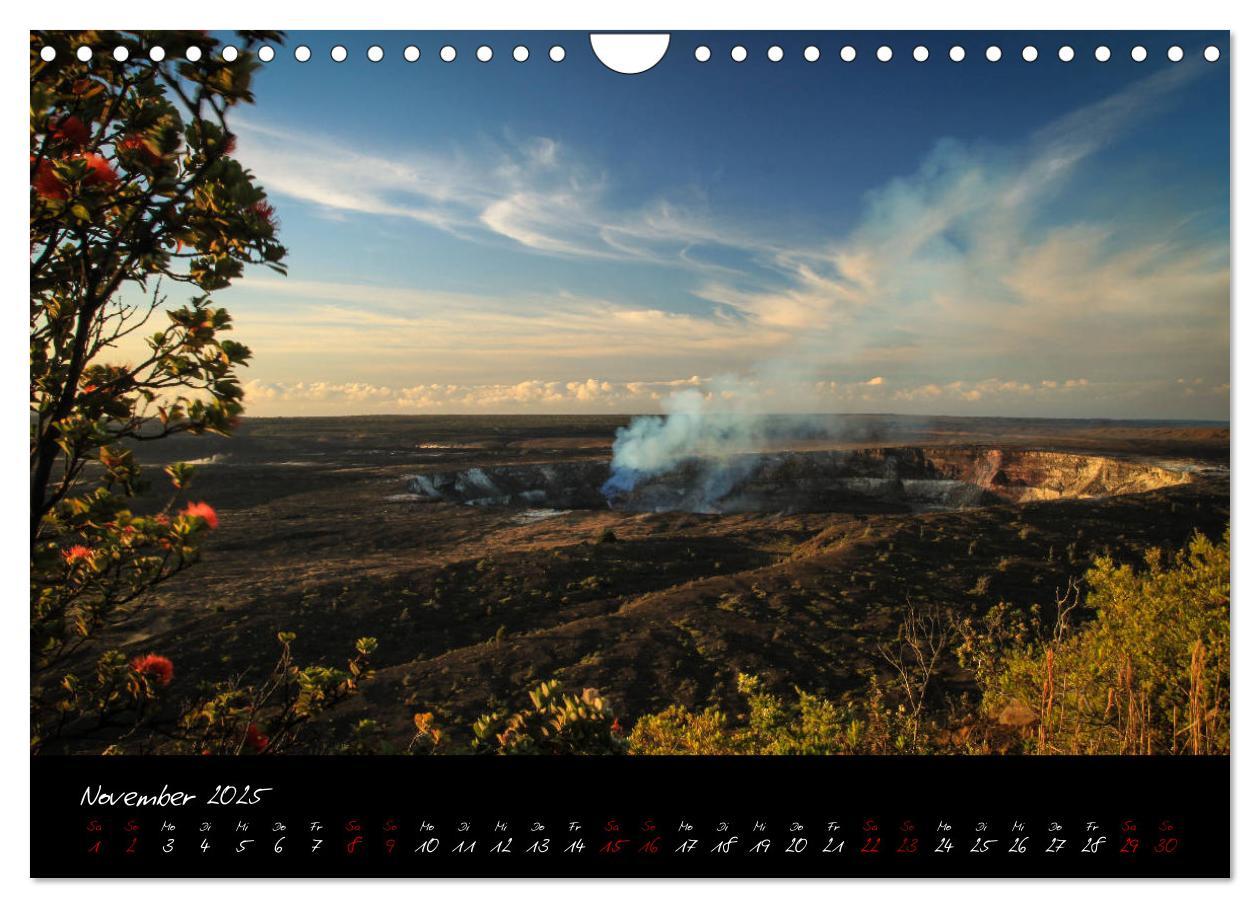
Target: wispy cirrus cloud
[{"x": 533, "y": 193}]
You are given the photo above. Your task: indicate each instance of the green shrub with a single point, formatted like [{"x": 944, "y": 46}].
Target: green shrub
[
  {"x": 274, "y": 714},
  {"x": 1149, "y": 673},
  {"x": 270, "y": 715},
  {"x": 810, "y": 725},
  {"x": 554, "y": 723}
]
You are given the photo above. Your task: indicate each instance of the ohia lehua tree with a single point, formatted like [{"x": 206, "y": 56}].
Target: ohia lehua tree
[{"x": 135, "y": 194}]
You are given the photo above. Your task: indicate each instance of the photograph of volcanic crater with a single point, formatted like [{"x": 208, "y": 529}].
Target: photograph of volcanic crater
[{"x": 614, "y": 425}]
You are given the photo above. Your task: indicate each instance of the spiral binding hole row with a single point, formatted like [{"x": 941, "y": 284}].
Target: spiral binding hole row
[
  {"x": 302, "y": 53},
  {"x": 556, "y": 53},
  {"x": 957, "y": 53}
]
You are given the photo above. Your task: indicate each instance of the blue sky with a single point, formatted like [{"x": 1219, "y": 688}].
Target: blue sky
[{"x": 1003, "y": 238}]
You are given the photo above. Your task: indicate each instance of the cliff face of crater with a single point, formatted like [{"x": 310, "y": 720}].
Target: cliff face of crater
[
  {"x": 873, "y": 479},
  {"x": 1047, "y": 475}
]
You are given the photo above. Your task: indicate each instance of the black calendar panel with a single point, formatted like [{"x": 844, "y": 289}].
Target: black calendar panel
[{"x": 560, "y": 817}]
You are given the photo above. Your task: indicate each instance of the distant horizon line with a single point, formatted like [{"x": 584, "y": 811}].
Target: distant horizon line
[{"x": 630, "y": 415}]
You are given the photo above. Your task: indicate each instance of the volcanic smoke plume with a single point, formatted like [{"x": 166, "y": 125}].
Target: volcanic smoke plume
[
  {"x": 652, "y": 445},
  {"x": 714, "y": 444}
]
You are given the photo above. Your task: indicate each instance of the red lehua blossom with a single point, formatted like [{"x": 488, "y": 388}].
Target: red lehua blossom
[
  {"x": 138, "y": 146},
  {"x": 229, "y": 145},
  {"x": 161, "y": 669},
  {"x": 264, "y": 212},
  {"x": 204, "y": 511},
  {"x": 256, "y": 739},
  {"x": 99, "y": 171},
  {"x": 72, "y": 129},
  {"x": 47, "y": 183},
  {"x": 616, "y": 728},
  {"x": 77, "y": 553}
]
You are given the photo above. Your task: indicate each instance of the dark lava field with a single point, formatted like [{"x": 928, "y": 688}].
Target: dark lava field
[{"x": 480, "y": 553}]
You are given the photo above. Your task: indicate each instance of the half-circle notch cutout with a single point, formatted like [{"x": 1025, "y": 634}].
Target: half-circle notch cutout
[{"x": 629, "y": 54}]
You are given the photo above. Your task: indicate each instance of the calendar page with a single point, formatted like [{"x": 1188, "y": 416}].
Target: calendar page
[{"x": 674, "y": 454}]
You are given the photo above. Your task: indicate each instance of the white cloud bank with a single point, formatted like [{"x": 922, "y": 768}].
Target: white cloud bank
[{"x": 592, "y": 395}]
